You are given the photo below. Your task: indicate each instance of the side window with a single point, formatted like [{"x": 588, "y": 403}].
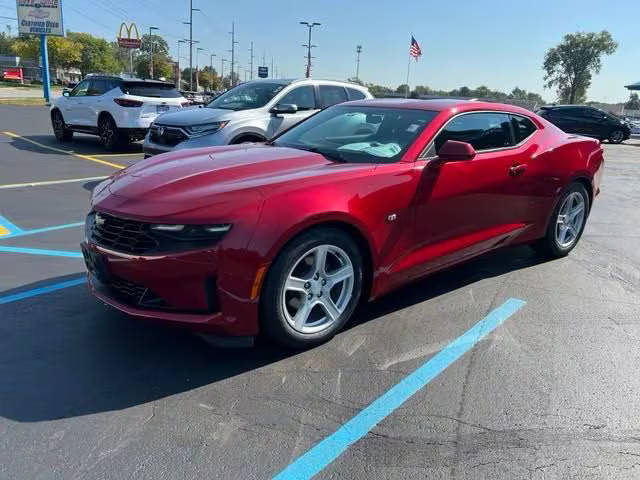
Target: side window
[
  {"x": 302, "y": 97},
  {"x": 80, "y": 90},
  {"x": 355, "y": 94},
  {"x": 331, "y": 95},
  {"x": 522, "y": 127},
  {"x": 485, "y": 131},
  {"x": 97, "y": 87}
]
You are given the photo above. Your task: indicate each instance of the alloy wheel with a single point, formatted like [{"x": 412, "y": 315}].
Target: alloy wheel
[
  {"x": 616, "y": 136},
  {"x": 318, "y": 289},
  {"x": 106, "y": 132},
  {"x": 570, "y": 220},
  {"x": 58, "y": 124}
]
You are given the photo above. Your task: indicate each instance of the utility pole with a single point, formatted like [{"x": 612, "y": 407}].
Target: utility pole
[
  {"x": 358, "y": 50},
  {"x": 233, "y": 50},
  {"x": 222, "y": 60},
  {"x": 272, "y": 74},
  {"x": 309, "y": 46},
  {"x": 191, "y": 42},
  {"x": 251, "y": 61},
  {"x": 151, "y": 52}
]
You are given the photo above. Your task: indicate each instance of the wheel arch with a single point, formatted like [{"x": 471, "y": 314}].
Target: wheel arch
[
  {"x": 344, "y": 224},
  {"x": 587, "y": 184},
  {"x": 249, "y": 134},
  {"x": 103, "y": 114}
]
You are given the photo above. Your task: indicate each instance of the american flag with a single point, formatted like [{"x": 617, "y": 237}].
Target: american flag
[{"x": 414, "y": 50}]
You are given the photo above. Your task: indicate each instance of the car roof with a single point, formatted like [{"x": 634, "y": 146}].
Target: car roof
[
  {"x": 101, "y": 76},
  {"x": 288, "y": 81},
  {"x": 441, "y": 104}
]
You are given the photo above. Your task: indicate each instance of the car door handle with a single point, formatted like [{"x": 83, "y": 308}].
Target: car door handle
[{"x": 517, "y": 169}]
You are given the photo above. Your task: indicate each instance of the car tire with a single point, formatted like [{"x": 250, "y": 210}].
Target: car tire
[
  {"x": 300, "y": 290},
  {"x": 566, "y": 223},
  {"x": 110, "y": 136},
  {"x": 616, "y": 136},
  {"x": 60, "y": 130}
]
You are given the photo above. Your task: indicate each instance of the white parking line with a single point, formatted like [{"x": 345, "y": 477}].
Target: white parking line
[{"x": 51, "y": 182}]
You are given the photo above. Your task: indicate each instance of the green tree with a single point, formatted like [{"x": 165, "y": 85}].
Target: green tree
[
  {"x": 378, "y": 90},
  {"x": 160, "y": 45},
  {"x": 162, "y": 66},
  {"x": 402, "y": 88},
  {"x": 634, "y": 102},
  {"x": 96, "y": 55},
  {"x": 63, "y": 52},
  {"x": 6, "y": 41},
  {"x": 570, "y": 66}
]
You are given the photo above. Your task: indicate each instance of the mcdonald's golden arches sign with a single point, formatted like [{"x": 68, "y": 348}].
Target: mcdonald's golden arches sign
[{"x": 129, "y": 41}]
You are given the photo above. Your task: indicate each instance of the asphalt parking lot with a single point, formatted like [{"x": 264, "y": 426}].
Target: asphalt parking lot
[{"x": 85, "y": 392}]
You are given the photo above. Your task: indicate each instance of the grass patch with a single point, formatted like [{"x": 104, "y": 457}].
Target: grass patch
[
  {"x": 18, "y": 85},
  {"x": 22, "y": 101}
]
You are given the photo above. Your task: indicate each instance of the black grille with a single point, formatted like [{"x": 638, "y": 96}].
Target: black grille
[
  {"x": 134, "y": 294},
  {"x": 121, "y": 235},
  {"x": 167, "y": 135}
]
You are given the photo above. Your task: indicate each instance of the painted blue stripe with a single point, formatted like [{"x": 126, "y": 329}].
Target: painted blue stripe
[
  {"x": 40, "y": 230},
  {"x": 4, "y": 221},
  {"x": 325, "y": 452},
  {"x": 39, "y": 291},
  {"x": 40, "y": 251}
]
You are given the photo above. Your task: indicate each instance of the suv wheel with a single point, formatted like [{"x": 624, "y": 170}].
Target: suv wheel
[
  {"x": 616, "y": 136},
  {"x": 110, "y": 137},
  {"x": 60, "y": 130}
]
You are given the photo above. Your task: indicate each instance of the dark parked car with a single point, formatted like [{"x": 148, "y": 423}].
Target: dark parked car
[{"x": 588, "y": 121}]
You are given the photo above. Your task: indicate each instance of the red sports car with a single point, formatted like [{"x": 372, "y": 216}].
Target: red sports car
[{"x": 288, "y": 236}]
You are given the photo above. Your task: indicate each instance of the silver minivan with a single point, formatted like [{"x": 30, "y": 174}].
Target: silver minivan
[{"x": 254, "y": 111}]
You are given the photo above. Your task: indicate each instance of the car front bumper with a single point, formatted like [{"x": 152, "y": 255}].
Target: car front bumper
[{"x": 180, "y": 289}]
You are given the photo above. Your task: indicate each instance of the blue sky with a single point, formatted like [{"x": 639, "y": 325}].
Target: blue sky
[{"x": 498, "y": 43}]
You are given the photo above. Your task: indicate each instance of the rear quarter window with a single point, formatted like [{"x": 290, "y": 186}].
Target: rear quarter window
[
  {"x": 355, "y": 94},
  {"x": 157, "y": 90},
  {"x": 522, "y": 128}
]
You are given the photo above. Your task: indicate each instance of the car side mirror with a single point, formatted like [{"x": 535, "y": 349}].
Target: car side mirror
[
  {"x": 284, "y": 108},
  {"x": 453, "y": 151},
  {"x": 65, "y": 92}
]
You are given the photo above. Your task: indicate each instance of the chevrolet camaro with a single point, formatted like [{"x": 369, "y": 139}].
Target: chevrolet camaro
[{"x": 287, "y": 237}]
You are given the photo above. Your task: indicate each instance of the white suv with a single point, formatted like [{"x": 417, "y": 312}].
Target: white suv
[
  {"x": 254, "y": 111},
  {"x": 117, "y": 109}
]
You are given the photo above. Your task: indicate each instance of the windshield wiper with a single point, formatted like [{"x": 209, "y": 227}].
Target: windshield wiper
[{"x": 335, "y": 156}]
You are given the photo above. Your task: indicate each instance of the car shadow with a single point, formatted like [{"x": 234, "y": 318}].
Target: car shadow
[
  {"x": 64, "y": 354},
  {"x": 81, "y": 144}
]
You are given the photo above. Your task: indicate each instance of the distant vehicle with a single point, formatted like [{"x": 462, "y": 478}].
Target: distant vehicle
[
  {"x": 287, "y": 237},
  {"x": 117, "y": 109},
  {"x": 254, "y": 111},
  {"x": 588, "y": 121}
]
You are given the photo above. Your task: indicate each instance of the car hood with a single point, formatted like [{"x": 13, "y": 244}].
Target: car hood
[
  {"x": 188, "y": 180},
  {"x": 195, "y": 116}
]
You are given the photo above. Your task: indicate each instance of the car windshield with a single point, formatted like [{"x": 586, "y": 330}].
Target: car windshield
[
  {"x": 349, "y": 133},
  {"x": 247, "y": 95}
]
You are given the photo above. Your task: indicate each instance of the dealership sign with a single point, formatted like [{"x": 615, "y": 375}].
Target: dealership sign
[
  {"x": 40, "y": 17},
  {"x": 129, "y": 41}
]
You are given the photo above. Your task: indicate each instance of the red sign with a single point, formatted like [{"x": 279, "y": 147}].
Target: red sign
[{"x": 12, "y": 74}]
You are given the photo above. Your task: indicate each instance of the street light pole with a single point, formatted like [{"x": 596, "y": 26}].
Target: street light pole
[
  {"x": 309, "y": 46},
  {"x": 151, "y": 51},
  {"x": 251, "y": 60},
  {"x": 179, "y": 79},
  {"x": 198, "y": 50},
  {"x": 358, "y": 50},
  {"x": 211, "y": 71},
  {"x": 222, "y": 60},
  {"x": 233, "y": 50}
]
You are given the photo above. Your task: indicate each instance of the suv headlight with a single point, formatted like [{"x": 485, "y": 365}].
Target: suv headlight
[{"x": 206, "y": 128}]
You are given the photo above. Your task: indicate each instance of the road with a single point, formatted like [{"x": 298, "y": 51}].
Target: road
[{"x": 87, "y": 393}]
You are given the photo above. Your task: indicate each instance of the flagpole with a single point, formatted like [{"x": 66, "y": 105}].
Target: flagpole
[{"x": 406, "y": 93}]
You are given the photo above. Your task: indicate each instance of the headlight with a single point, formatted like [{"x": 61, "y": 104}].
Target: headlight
[
  {"x": 206, "y": 128},
  {"x": 189, "y": 233}
]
